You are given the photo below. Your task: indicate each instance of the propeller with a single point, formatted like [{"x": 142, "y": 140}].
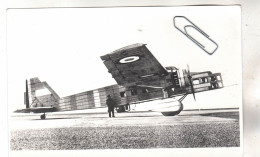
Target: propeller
[{"x": 191, "y": 84}]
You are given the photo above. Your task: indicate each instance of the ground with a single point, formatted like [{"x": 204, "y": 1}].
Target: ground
[{"x": 132, "y": 130}]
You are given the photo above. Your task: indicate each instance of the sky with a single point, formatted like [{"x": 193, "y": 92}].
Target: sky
[{"x": 62, "y": 46}]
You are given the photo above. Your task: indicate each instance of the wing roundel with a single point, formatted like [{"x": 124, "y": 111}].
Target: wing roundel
[{"x": 133, "y": 64}]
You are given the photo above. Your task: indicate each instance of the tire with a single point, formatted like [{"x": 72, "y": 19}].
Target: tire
[
  {"x": 171, "y": 113},
  {"x": 120, "y": 109},
  {"x": 43, "y": 116}
]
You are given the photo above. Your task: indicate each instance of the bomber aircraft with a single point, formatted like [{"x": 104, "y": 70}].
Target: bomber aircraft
[{"x": 139, "y": 76}]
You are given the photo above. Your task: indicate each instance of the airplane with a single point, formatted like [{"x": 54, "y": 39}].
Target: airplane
[{"x": 140, "y": 78}]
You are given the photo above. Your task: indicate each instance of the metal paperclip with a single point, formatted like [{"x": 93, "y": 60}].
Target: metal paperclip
[{"x": 191, "y": 27}]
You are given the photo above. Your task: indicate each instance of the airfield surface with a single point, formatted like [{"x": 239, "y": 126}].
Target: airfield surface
[{"x": 135, "y": 130}]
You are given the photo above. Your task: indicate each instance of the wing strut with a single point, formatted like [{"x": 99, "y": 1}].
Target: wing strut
[{"x": 183, "y": 97}]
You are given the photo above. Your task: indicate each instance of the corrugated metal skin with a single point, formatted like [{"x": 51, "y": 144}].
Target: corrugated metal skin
[
  {"x": 49, "y": 100},
  {"x": 152, "y": 93},
  {"x": 127, "y": 73},
  {"x": 96, "y": 98},
  {"x": 83, "y": 100},
  {"x": 102, "y": 97},
  {"x": 44, "y": 101},
  {"x": 89, "y": 99}
]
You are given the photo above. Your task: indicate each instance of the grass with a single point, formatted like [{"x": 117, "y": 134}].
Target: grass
[{"x": 128, "y": 137}]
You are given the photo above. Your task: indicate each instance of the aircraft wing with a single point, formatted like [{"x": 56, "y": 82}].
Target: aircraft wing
[{"x": 133, "y": 64}]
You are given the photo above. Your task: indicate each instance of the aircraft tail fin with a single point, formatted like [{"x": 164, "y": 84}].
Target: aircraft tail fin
[{"x": 40, "y": 94}]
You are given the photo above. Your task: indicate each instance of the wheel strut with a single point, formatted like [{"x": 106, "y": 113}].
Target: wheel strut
[
  {"x": 43, "y": 116},
  {"x": 183, "y": 97}
]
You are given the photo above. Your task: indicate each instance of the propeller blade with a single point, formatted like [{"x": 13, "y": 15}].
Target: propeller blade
[
  {"x": 192, "y": 88},
  {"x": 194, "y": 95},
  {"x": 188, "y": 69},
  {"x": 191, "y": 84}
]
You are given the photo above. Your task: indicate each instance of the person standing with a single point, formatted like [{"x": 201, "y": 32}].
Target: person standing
[{"x": 111, "y": 105}]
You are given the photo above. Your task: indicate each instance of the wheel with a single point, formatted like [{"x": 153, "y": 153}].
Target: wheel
[
  {"x": 120, "y": 109},
  {"x": 43, "y": 116},
  {"x": 171, "y": 113}
]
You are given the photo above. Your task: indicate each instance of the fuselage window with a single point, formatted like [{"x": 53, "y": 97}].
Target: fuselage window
[
  {"x": 196, "y": 82},
  {"x": 133, "y": 92},
  {"x": 145, "y": 91},
  {"x": 204, "y": 80},
  {"x": 122, "y": 94}
]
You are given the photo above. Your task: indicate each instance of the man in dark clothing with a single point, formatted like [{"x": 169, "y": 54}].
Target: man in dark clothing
[{"x": 110, "y": 105}]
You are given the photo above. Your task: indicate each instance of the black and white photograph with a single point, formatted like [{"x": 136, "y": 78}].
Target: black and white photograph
[{"x": 125, "y": 78}]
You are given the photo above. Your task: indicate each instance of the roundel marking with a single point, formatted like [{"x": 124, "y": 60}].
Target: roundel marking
[{"x": 129, "y": 59}]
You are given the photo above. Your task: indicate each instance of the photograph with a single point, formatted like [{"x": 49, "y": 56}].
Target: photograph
[{"x": 130, "y": 78}]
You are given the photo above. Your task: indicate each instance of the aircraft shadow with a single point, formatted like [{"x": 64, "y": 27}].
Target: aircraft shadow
[
  {"x": 130, "y": 116},
  {"x": 93, "y": 113},
  {"x": 231, "y": 115},
  {"x": 58, "y": 118},
  {"x": 141, "y": 116}
]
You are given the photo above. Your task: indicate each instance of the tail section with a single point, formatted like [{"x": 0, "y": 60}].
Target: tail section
[
  {"x": 26, "y": 96},
  {"x": 40, "y": 94}
]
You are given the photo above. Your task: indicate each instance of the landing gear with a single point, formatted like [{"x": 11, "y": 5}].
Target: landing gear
[
  {"x": 176, "y": 112},
  {"x": 120, "y": 109},
  {"x": 123, "y": 108},
  {"x": 170, "y": 113},
  {"x": 43, "y": 116}
]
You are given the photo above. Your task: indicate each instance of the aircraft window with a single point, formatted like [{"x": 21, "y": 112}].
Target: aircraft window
[
  {"x": 133, "y": 92},
  {"x": 145, "y": 91},
  {"x": 196, "y": 82},
  {"x": 204, "y": 80},
  {"x": 122, "y": 94}
]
